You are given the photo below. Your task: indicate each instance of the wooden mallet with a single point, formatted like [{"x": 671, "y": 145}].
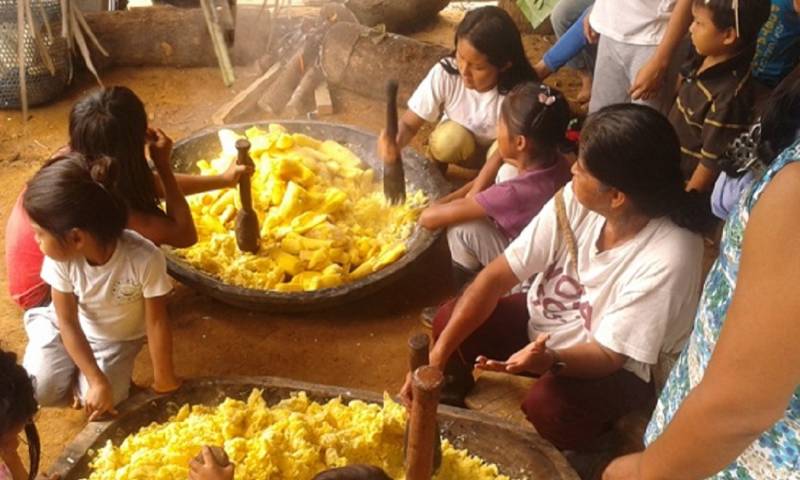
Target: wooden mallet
[
  {"x": 422, "y": 429},
  {"x": 248, "y": 234}
]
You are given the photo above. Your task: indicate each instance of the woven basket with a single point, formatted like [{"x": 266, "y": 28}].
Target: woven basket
[{"x": 42, "y": 85}]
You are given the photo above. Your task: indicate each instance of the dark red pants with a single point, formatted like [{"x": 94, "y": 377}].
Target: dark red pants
[{"x": 569, "y": 412}]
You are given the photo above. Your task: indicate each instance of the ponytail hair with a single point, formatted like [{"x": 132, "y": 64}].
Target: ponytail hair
[
  {"x": 539, "y": 113},
  {"x": 492, "y": 32},
  {"x": 73, "y": 192},
  {"x": 112, "y": 122},
  {"x": 18, "y": 405},
  {"x": 635, "y": 150}
]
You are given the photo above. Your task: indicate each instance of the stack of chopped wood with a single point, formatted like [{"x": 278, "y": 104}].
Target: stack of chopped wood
[{"x": 336, "y": 50}]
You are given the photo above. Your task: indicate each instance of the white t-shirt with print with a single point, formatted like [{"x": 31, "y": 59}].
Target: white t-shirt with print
[
  {"x": 111, "y": 296},
  {"x": 442, "y": 93},
  {"x": 638, "y": 22},
  {"x": 637, "y": 299}
]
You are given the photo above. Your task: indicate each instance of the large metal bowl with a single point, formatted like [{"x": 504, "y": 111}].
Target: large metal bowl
[
  {"x": 420, "y": 174},
  {"x": 518, "y": 452}
]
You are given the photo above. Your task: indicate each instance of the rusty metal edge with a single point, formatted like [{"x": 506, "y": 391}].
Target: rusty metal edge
[{"x": 79, "y": 447}]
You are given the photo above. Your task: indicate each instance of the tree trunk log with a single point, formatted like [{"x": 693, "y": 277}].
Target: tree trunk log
[
  {"x": 357, "y": 59},
  {"x": 169, "y": 36},
  {"x": 397, "y": 15}
]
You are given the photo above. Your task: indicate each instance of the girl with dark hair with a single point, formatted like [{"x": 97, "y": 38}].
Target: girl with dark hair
[
  {"x": 113, "y": 122},
  {"x": 735, "y": 390},
  {"x": 615, "y": 262},
  {"x": 108, "y": 286},
  {"x": 466, "y": 89},
  {"x": 746, "y": 158},
  {"x": 17, "y": 408},
  {"x": 533, "y": 121}
]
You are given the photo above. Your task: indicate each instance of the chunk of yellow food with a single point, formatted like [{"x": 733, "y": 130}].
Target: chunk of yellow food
[
  {"x": 295, "y": 439},
  {"x": 324, "y": 221}
]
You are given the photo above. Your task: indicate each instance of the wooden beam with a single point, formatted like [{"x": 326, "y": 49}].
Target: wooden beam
[{"x": 246, "y": 99}]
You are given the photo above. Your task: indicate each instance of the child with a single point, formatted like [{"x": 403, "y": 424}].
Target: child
[
  {"x": 716, "y": 98},
  {"x": 638, "y": 52},
  {"x": 467, "y": 89},
  {"x": 748, "y": 156},
  {"x": 113, "y": 122},
  {"x": 17, "y": 408},
  {"x": 108, "y": 287},
  {"x": 533, "y": 120}
]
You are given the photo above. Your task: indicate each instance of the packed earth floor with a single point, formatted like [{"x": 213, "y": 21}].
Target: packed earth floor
[{"x": 360, "y": 345}]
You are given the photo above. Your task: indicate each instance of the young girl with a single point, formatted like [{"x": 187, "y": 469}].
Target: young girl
[
  {"x": 467, "y": 89},
  {"x": 17, "y": 408},
  {"x": 108, "y": 285},
  {"x": 533, "y": 120},
  {"x": 113, "y": 122}
]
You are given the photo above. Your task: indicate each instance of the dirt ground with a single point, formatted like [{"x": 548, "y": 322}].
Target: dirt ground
[{"x": 339, "y": 346}]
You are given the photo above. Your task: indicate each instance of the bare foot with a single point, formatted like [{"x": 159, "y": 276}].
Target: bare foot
[
  {"x": 585, "y": 93},
  {"x": 541, "y": 70}
]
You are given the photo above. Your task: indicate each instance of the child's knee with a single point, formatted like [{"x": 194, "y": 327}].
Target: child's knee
[{"x": 51, "y": 390}]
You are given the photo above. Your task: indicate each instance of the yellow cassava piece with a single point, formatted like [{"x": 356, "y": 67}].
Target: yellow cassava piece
[{"x": 324, "y": 220}]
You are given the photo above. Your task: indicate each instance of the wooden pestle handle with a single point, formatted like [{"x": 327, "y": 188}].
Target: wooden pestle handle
[
  {"x": 426, "y": 383},
  {"x": 391, "y": 113},
  {"x": 418, "y": 351},
  {"x": 245, "y": 191}
]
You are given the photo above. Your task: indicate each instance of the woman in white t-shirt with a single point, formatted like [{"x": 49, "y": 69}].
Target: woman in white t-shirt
[
  {"x": 466, "y": 90},
  {"x": 602, "y": 307},
  {"x": 108, "y": 288}
]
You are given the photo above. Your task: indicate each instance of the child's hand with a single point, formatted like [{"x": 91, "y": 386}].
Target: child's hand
[
  {"x": 209, "y": 469},
  {"x": 234, "y": 171},
  {"x": 99, "y": 399},
  {"x": 588, "y": 32},
  {"x": 159, "y": 145}
]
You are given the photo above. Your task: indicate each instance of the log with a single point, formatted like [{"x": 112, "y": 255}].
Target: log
[
  {"x": 169, "y": 36},
  {"x": 322, "y": 97},
  {"x": 302, "y": 100},
  {"x": 397, "y": 15},
  {"x": 362, "y": 60},
  {"x": 245, "y": 100}
]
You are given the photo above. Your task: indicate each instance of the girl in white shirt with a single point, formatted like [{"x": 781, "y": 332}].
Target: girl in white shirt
[
  {"x": 466, "y": 90},
  {"x": 108, "y": 286}
]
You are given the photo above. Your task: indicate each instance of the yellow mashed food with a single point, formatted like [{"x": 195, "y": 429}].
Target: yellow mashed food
[
  {"x": 324, "y": 220},
  {"x": 295, "y": 439}
]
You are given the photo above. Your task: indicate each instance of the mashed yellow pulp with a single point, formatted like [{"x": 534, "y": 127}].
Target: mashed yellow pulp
[
  {"x": 324, "y": 220},
  {"x": 295, "y": 439}
]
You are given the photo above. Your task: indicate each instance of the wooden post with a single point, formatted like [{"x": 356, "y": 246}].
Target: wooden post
[
  {"x": 427, "y": 385},
  {"x": 218, "y": 40},
  {"x": 23, "y": 81}
]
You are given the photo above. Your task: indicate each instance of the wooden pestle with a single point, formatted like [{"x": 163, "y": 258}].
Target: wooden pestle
[
  {"x": 394, "y": 179},
  {"x": 426, "y": 383},
  {"x": 248, "y": 234},
  {"x": 418, "y": 350}
]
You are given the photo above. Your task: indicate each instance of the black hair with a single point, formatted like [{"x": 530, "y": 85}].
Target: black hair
[
  {"x": 73, "y": 192},
  {"x": 538, "y": 112},
  {"x": 112, "y": 122},
  {"x": 752, "y": 15},
  {"x": 18, "y": 405},
  {"x": 780, "y": 118},
  {"x": 493, "y": 33},
  {"x": 635, "y": 150},
  {"x": 353, "y": 472}
]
